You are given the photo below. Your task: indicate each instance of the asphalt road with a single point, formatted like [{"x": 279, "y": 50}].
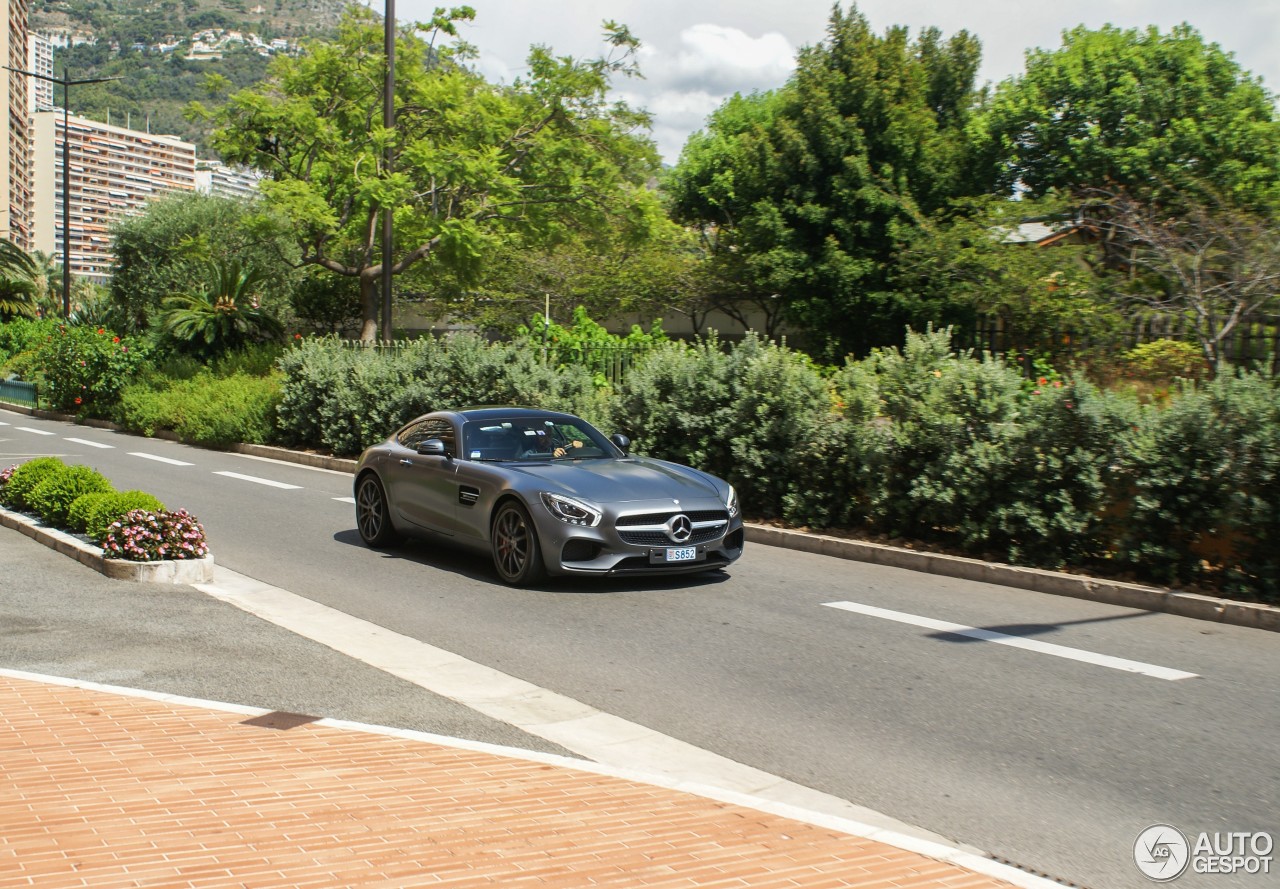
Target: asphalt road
[{"x": 1054, "y": 758}]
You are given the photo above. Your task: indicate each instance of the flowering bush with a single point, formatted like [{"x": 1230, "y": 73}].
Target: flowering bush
[
  {"x": 5, "y": 474},
  {"x": 145, "y": 536},
  {"x": 84, "y": 368}
]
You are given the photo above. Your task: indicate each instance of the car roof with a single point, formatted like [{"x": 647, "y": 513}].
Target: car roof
[{"x": 506, "y": 413}]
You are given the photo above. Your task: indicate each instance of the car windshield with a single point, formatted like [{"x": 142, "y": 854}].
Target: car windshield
[{"x": 533, "y": 438}]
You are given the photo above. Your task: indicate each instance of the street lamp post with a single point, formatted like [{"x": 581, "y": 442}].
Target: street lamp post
[
  {"x": 389, "y": 122},
  {"x": 67, "y": 83}
]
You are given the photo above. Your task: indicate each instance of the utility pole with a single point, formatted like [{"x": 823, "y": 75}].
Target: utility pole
[
  {"x": 388, "y": 155},
  {"x": 67, "y": 83}
]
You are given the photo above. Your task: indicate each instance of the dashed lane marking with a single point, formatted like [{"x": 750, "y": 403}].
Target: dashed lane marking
[
  {"x": 259, "y": 481},
  {"x": 159, "y": 459},
  {"x": 92, "y": 444},
  {"x": 36, "y": 431},
  {"x": 1075, "y": 654}
]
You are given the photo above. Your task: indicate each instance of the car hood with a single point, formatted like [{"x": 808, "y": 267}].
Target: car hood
[{"x": 627, "y": 479}]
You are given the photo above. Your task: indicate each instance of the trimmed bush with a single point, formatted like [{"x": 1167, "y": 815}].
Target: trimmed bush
[
  {"x": 25, "y": 478},
  {"x": 100, "y": 514},
  {"x": 81, "y": 507},
  {"x": 206, "y": 410},
  {"x": 52, "y": 498}
]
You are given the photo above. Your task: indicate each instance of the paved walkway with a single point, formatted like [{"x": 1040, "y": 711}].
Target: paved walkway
[{"x": 104, "y": 788}]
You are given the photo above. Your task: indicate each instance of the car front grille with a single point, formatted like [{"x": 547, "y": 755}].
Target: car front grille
[{"x": 645, "y": 530}]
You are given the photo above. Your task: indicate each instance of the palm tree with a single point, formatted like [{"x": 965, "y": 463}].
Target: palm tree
[
  {"x": 19, "y": 282},
  {"x": 223, "y": 317}
]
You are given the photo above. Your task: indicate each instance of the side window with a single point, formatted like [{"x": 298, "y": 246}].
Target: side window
[
  {"x": 419, "y": 432},
  {"x": 413, "y": 435}
]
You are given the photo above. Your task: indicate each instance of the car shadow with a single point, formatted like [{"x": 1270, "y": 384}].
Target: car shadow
[{"x": 443, "y": 557}]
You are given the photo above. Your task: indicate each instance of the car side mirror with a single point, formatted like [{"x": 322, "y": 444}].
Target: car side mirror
[
  {"x": 432, "y": 447},
  {"x": 623, "y": 443}
]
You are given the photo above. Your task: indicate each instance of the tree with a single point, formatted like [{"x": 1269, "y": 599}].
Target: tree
[
  {"x": 166, "y": 249},
  {"x": 19, "y": 282},
  {"x": 809, "y": 190},
  {"x": 470, "y": 164},
  {"x": 1137, "y": 110},
  {"x": 1213, "y": 267},
  {"x": 970, "y": 259}
]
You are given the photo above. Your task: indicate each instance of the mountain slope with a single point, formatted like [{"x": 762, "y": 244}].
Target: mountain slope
[{"x": 144, "y": 45}]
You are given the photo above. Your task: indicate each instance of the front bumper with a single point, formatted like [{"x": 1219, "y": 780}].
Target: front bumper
[{"x": 636, "y": 541}]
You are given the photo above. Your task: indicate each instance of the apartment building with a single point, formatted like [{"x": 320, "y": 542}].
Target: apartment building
[
  {"x": 216, "y": 178},
  {"x": 15, "y": 188},
  {"x": 40, "y": 61},
  {"x": 113, "y": 171}
]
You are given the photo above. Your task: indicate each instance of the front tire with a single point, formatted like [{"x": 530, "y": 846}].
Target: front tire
[
  {"x": 373, "y": 516},
  {"x": 516, "y": 555}
]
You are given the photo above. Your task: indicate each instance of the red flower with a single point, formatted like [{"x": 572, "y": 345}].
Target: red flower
[
  {"x": 101, "y": 331},
  {"x": 77, "y": 399},
  {"x": 115, "y": 339}
]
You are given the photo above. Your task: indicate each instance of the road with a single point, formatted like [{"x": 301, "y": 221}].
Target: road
[{"x": 1047, "y": 731}]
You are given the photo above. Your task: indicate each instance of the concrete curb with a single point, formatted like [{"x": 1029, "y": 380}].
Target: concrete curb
[
  {"x": 172, "y": 571},
  {"x": 1056, "y": 583}
]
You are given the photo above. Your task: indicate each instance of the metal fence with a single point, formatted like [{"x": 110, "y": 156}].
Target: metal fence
[
  {"x": 18, "y": 392},
  {"x": 1255, "y": 345}
]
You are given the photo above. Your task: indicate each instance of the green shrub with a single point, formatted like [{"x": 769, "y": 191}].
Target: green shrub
[
  {"x": 81, "y": 508},
  {"x": 100, "y": 514},
  {"x": 25, "y": 478},
  {"x": 53, "y": 496},
  {"x": 344, "y": 398},
  {"x": 206, "y": 410},
  {"x": 1164, "y": 360},
  {"x": 84, "y": 368},
  {"x": 743, "y": 413},
  {"x": 1201, "y": 487}
]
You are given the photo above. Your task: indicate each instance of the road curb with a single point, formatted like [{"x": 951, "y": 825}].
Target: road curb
[
  {"x": 1057, "y": 583},
  {"x": 171, "y": 571},
  {"x": 1039, "y": 580}
]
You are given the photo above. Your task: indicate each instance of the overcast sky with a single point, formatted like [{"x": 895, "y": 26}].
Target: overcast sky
[{"x": 696, "y": 53}]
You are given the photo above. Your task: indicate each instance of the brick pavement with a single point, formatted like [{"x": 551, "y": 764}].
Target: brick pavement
[{"x": 102, "y": 789}]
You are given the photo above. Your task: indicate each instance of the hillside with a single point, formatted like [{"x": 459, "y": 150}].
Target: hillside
[{"x": 146, "y": 45}]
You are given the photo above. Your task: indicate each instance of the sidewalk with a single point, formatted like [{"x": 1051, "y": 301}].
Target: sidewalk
[{"x": 109, "y": 788}]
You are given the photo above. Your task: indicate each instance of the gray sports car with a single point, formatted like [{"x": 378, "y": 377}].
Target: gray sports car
[{"x": 543, "y": 492}]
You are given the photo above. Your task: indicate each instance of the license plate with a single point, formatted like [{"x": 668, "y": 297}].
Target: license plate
[{"x": 683, "y": 554}]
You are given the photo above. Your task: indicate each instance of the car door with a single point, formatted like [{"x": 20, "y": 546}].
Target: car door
[{"x": 425, "y": 490}]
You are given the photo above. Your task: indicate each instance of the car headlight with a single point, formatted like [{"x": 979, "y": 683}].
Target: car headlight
[
  {"x": 731, "y": 502},
  {"x": 571, "y": 510}
]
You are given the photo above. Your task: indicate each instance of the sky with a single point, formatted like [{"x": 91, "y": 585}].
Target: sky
[{"x": 697, "y": 53}]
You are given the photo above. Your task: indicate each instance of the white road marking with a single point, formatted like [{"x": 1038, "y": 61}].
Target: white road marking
[
  {"x": 36, "y": 431},
  {"x": 1075, "y": 654},
  {"x": 159, "y": 459},
  {"x": 576, "y": 726},
  {"x": 350, "y": 500},
  {"x": 259, "y": 481},
  {"x": 92, "y": 444},
  {"x": 294, "y": 465}
]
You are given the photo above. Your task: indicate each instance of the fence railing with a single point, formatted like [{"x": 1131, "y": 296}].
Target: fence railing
[
  {"x": 1255, "y": 345},
  {"x": 19, "y": 392}
]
